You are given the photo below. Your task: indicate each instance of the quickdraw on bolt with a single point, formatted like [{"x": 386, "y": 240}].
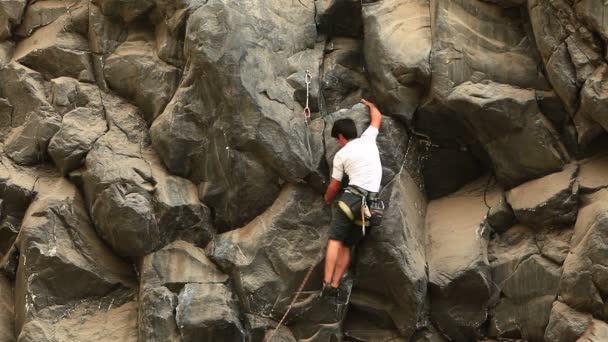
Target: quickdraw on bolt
[{"x": 308, "y": 80}]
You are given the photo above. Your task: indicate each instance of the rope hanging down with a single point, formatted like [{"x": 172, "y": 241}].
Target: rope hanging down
[
  {"x": 308, "y": 80},
  {"x": 295, "y": 298}
]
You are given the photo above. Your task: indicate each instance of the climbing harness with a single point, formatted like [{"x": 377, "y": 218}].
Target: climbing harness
[
  {"x": 308, "y": 80},
  {"x": 370, "y": 207}
]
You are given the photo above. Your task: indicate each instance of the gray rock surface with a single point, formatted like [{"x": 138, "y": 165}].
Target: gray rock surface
[
  {"x": 566, "y": 324},
  {"x": 583, "y": 278},
  {"x": 256, "y": 125},
  {"x": 132, "y": 132},
  {"x": 7, "y": 318},
  {"x": 61, "y": 258},
  {"x": 458, "y": 263},
  {"x": 503, "y": 117},
  {"x": 397, "y": 49},
  {"x": 135, "y": 72},
  {"x": 112, "y": 323},
  {"x": 208, "y": 312},
  {"x": 11, "y": 12},
  {"x": 547, "y": 202},
  {"x": 380, "y": 272}
]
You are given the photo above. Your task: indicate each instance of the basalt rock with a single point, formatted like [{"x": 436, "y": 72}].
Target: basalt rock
[
  {"x": 547, "y": 202},
  {"x": 458, "y": 261},
  {"x": 257, "y": 125},
  {"x": 7, "y": 324},
  {"x": 397, "y": 48},
  {"x": 62, "y": 260},
  {"x": 566, "y": 324},
  {"x": 584, "y": 279},
  {"x": 380, "y": 272}
]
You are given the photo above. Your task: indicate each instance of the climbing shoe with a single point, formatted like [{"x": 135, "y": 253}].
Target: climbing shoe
[{"x": 328, "y": 291}]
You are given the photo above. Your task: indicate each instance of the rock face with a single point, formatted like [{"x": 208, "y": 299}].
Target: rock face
[
  {"x": 162, "y": 181},
  {"x": 458, "y": 262}
]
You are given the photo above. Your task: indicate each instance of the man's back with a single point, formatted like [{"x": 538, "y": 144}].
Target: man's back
[{"x": 360, "y": 160}]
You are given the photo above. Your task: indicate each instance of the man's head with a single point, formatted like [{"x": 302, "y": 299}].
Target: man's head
[{"x": 344, "y": 130}]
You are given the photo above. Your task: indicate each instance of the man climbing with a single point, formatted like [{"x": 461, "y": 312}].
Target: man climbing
[{"x": 360, "y": 160}]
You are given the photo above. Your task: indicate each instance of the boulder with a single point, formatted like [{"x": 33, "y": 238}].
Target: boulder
[
  {"x": 123, "y": 175},
  {"x": 7, "y": 318},
  {"x": 555, "y": 245},
  {"x": 242, "y": 114},
  {"x": 506, "y": 119},
  {"x": 566, "y": 324},
  {"x": 591, "y": 14},
  {"x": 134, "y": 71},
  {"x": 68, "y": 94},
  {"x": 163, "y": 275},
  {"x": 112, "y": 323},
  {"x": 509, "y": 249},
  {"x": 208, "y": 312},
  {"x": 105, "y": 33},
  {"x": 528, "y": 295},
  {"x": 40, "y": 14},
  {"x": 388, "y": 289},
  {"x": 62, "y": 260},
  {"x": 56, "y": 50},
  {"x": 24, "y": 89},
  {"x": 594, "y": 96},
  {"x": 459, "y": 274},
  {"x": 159, "y": 268},
  {"x": 344, "y": 82},
  {"x": 11, "y": 12},
  {"x": 79, "y": 130},
  {"x": 339, "y": 17},
  {"x": 465, "y": 49},
  {"x": 584, "y": 277},
  {"x": 547, "y": 202},
  {"x": 500, "y": 216},
  {"x": 7, "y": 49},
  {"x": 596, "y": 332},
  {"x": 397, "y": 51},
  {"x": 157, "y": 316},
  {"x": 592, "y": 174},
  {"x": 27, "y": 144},
  {"x": 567, "y": 48},
  {"x": 126, "y": 9}
]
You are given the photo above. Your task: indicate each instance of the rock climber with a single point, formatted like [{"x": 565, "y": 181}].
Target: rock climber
[{"x": 359, "y": 159}]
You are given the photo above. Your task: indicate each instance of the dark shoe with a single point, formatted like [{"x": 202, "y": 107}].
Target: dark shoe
[{"x": 328, "y": 291}]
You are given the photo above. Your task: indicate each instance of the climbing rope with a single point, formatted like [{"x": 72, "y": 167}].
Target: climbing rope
[
  {"x": 295, "y": 298},
  {"x": 308, "y": 80}
]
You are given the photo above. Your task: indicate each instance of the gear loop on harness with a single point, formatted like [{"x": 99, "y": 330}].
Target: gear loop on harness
[{"x": 308, "y": 80}]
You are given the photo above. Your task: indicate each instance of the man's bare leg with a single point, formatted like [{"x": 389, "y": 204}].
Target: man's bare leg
[
  {"x": 341, "y": 265},
  {"x": 334, "y": 248}
]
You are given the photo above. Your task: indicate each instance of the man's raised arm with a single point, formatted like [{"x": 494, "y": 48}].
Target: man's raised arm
[{"x": 374, "y": 113}]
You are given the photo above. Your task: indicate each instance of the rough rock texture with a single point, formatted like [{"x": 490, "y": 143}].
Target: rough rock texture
[
  {"x": 584, "y": 277},
  {"x": 160, "y": 181},
  {"x": 57, "y": 244},
  {"x": 380, "y": 270},
  {"x": 566, "y": 324},
  {"x": 459, "y": 274},
  {"x": 548, "y": 202},
  {"x": 163, "y": 275},
  {"x": 7, "y": 318}
]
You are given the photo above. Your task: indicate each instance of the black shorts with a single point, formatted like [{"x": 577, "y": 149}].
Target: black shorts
[{"x": 342, "y": 228}]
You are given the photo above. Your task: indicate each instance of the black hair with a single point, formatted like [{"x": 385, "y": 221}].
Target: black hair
[{"x": 345, "y": 126}]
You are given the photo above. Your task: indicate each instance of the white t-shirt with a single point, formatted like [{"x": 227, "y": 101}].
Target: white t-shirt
[{"x": 360, "y": 160}]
